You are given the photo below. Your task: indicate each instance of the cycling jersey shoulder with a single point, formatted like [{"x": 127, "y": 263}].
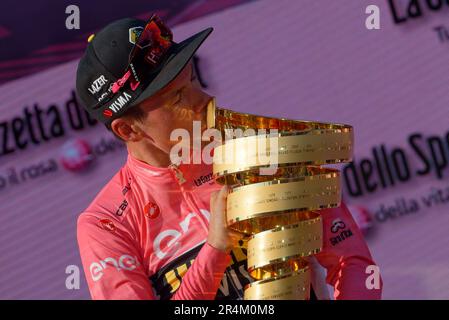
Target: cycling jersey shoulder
[
  {"x": 123, "y": 199},
  {"x": 110, "y": 207},
  {"x": 113, "y": 199}
]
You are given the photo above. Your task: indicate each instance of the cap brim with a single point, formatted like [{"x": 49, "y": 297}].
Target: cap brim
[{"x": 174, "y": 64}]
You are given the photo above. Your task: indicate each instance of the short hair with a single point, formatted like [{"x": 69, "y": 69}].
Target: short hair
[{"x": 134, "y": 112}]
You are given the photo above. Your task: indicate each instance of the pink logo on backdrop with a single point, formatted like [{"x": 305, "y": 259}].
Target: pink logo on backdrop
[{"x": 76, "y": 155}]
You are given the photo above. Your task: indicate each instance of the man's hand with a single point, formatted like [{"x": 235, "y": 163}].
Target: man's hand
[{"x": 220, "y": 237}]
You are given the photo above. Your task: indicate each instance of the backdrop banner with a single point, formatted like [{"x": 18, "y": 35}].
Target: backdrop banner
[{"x": 310, "y": 60}]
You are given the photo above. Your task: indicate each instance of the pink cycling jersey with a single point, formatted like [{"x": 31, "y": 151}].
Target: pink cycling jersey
[{"x": 144, "y": 237}]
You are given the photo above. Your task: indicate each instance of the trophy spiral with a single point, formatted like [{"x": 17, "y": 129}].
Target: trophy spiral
[{"x": 279, "y": 213}]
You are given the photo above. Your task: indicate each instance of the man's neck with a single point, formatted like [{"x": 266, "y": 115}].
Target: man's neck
[
  {"x": 156, "y": 157},
  {"x": 150, "y": 155}
]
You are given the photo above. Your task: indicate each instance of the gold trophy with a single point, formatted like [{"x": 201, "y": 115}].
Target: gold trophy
[{"x": 278, "y": 213}]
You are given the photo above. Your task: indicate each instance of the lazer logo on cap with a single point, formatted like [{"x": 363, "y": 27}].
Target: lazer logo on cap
[
  {"x": 134, "y": 34},
  {"x": 98, "y": 83}
]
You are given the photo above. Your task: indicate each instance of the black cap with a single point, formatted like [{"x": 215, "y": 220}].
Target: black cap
[{"x": 106, "y": 59}]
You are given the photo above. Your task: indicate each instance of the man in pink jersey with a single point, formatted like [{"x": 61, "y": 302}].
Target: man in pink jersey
[{"x": 157, "y": 229}]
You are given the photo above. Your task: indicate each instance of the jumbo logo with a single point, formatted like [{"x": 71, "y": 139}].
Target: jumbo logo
[{"x": 134, "y": 34}]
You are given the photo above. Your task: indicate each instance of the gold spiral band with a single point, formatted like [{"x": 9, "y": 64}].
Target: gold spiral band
[
  {"x": 280, "y": 244},
  {"x": 222, "y": 119},
  {"x": 313, "y": 148},
  {"x": 291, "y": 286},
  {"x": 279, "y": 197}
]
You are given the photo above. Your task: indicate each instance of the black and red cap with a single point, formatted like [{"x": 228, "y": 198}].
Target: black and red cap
[{"x": 127, "y": 62}]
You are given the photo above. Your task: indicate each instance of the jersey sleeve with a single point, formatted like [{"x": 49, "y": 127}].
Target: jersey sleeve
[
  {"x": 346, "y": 257},
  {"x": 202, "y": 279},
  {"x": 112, "y": 264},
  {"x": 114, "y": 269}
]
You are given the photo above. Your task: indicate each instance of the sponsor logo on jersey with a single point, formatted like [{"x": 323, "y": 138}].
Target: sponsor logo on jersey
[
  {"x": 124, "y": 262},
  {"x": 337, "y": 224},
  {"x": 169, "y": 241},
  {"x": 202, "y": 179},
  {"x": 126, "y": 189},
  {"x": 107, "y": 225},
  {"x": 151, "y": 210},
  {"x": 344, "y": 234},
  {"x": 122, "y": 208}
]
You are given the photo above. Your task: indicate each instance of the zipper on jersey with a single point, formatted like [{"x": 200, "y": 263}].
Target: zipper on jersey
[
  {"x": 178, "y": 174},
  {"x": 187, "y": 197}
]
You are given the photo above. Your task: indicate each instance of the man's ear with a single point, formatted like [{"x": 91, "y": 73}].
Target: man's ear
[{"x": 127, "y": 129}]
